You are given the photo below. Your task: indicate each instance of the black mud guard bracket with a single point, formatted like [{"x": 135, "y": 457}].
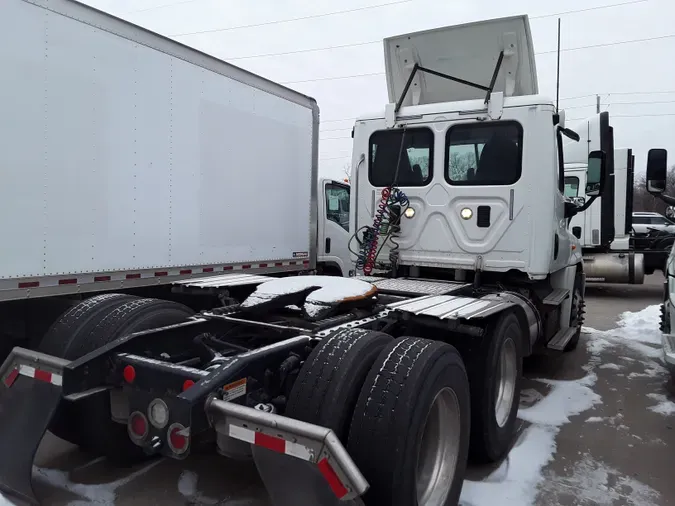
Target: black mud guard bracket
[{"x": 30, "y": 392}]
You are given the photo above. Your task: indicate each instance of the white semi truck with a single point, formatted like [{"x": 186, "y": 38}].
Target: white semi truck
[
  {"x": 129, "y": 169},
  {"x": 604, "y": 228},
  {"x": 374, "y": 389},
  {"x": 613, "y": 251}
]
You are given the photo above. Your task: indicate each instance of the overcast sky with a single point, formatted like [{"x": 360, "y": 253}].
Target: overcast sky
[{"x": 635, "y": 80}]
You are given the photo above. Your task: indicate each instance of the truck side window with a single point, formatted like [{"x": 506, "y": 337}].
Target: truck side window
[
  {"x": 337, "y": 204},
  {"x": 571, "y": 186},
  {"x": 401, "y": 157},
  {"x": 484, "y": 154}
]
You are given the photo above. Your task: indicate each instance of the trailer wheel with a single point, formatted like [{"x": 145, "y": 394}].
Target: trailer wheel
[
  {"x": 495, "y": 373},
  {"x": 576, "y": 315},
  {"x": 329, "y": 382},
  {"x": 78, "y": 320},
  {"x": 87, "y": 422},
  {"x": 410, "y": 430}
]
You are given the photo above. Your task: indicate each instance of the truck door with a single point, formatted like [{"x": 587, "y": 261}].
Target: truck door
[{"x": 334, "y": 227}]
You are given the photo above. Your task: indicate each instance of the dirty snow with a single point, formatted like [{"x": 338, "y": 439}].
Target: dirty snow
[
  {"x": 517, "y": 480},
  {"x": 638, "y": 331},
  {"x": 664, "y": 407},
  {"x": 102, "y": 494},
  {"x": 593, "y": 482},
  {"x": 610, "y": 366},
  {"x": 594, "y": 419}
]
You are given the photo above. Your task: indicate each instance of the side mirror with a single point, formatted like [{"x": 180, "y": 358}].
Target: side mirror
[
  {"x": 657, "y": 170},
  {"x": 595, "y": 175}
]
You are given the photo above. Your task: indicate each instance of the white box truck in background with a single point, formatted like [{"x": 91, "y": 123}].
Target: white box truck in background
[{"x": 129, "y": 160}]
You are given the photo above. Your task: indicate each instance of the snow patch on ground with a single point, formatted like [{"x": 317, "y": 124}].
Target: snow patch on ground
[
  {"x": 566, "y": 399},
  {"x": 592, "y": 482},
  {"x": 610, "y": 366},
  {"x": 5, "y": 502},
  {"x": 664, "y": 407},
  {"x": 517, "y": 480},
  {"x": 637, "y": 331},
  {"x": 103, "y": 494},
  {"x": 652, "y": 370},
  {"x": 594, "y": 419}
]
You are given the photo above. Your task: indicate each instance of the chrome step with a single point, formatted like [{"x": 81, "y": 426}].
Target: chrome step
[
  {"x": 412, "y": 287},
  {"x": 556, "y": 297},
  {"x": 560, "y": 340}
]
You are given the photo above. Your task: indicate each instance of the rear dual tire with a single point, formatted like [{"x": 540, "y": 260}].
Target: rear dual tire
[{"x": 398, "y": 406}]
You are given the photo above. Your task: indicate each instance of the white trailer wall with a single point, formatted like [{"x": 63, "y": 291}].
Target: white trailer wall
[{"x": 121, "y": 150}]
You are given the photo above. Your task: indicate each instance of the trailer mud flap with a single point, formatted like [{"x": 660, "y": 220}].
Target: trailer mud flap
[
  {"x": 30, "y": 392},
  {"x": 299, "y": 463}
]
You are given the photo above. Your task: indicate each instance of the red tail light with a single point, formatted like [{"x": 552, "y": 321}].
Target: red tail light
[
  {"x": 137, "y": 426},
  {"x": 178, "y": 438},
  {"x": 129, "y": 374}
]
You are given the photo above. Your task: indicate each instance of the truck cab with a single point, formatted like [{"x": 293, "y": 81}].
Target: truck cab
[
  {"x": 480, "y": 170},
  {"x": 333, "y": 235}
]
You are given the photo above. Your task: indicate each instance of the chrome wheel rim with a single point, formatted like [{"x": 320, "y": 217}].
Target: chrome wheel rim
[
  {"x": 439, "y": 449},
  {"x": 507, "y": 375}
]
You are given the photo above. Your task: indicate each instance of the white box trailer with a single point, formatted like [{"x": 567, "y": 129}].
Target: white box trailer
[
  {"x": 128, "y": 156},
  {"x": 129, "y": 160}
]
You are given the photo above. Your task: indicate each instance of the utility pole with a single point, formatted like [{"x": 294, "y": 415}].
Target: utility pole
[{"x": 597, "y": 104}]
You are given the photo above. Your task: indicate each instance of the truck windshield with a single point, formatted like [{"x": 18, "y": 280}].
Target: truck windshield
[
  {"x": 484, "y": 154},
  {"x": 571, "y": 186},
  {"x": 401, "y": 157}
]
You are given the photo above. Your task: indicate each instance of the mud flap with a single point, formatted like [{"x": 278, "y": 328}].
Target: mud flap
[
  {"x": 30, "y": 392},
  {"x": 290, "y": 481},
  {"x": 299, "y": 463}
]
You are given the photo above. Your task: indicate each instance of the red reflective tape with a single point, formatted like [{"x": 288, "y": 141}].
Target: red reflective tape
[
  {"x": 332, "y": 478},
  {"x": 186, "y": 271},
  {"x": 246, "y": 266},
  {"x": 9, "y": 380},
  {"x": 70, "y": 281},
  {"x": 43, "y": 376},
  {"x": 306, "y": 262},
  {"x": 161, "y": 273},
  {"x": 262, "y": 266},
  {"x": 29, "y": 284},
  {"x": 101, "y": 278},
  {"x": 207, "y": 269},
  {"x": 134, "y": 276},
  {"x": 271, "y": 443},
  {"x": 279, "y": 264},
  {"x": 227, "y": 268}
]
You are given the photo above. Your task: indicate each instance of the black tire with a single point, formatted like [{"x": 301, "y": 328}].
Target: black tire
[
  {"x": 328, "y": 385},
  {"x": 77, "y": 320},
  {"x": 576, "y": 315},
  {"x": 87, "y": 422},
  {"x": 73, "y": 327},
  {"x": 491, "y": 439},
  {"x": 387, "y": 429}
]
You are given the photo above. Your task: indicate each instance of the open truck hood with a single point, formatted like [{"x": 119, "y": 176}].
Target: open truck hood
[{"x": 469, "y": 52}]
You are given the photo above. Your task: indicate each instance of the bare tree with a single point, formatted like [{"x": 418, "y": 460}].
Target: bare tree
[{"x": 643, "y": 201}]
